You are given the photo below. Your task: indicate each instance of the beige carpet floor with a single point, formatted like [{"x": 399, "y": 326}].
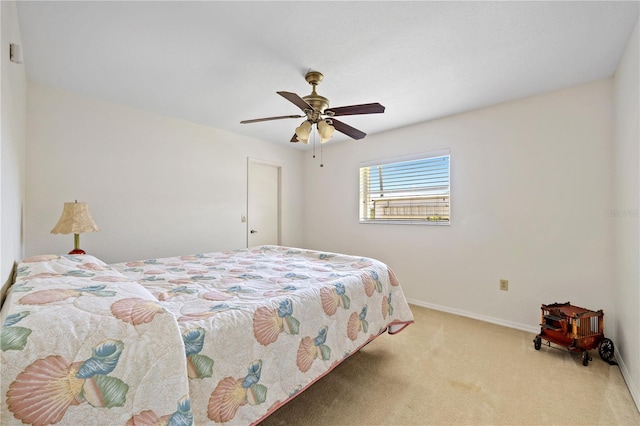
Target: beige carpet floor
[{"x": 451, "y": 370}]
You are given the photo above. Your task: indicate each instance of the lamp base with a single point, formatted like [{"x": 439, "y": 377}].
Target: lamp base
[{"x": 77, "y": 251}]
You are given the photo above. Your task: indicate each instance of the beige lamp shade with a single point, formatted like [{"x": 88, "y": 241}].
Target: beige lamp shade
[
  {"x": 303, "y": 131},
  {"x": 325, "y": 130},
  {"x": 75, "y": 219}
]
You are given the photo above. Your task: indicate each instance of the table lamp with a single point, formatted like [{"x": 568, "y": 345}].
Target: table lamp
[{"x": 75, "y": 219}]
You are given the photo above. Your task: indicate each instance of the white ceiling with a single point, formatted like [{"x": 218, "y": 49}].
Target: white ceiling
[{"x": 217, "y": 63}]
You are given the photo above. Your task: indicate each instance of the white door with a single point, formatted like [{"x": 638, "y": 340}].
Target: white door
[{"x": 263, "y": 204}]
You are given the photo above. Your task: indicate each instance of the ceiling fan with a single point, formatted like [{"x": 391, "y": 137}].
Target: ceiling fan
[{"x": 316, "y": 110}]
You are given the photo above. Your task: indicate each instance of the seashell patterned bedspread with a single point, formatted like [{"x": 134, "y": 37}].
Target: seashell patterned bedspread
[
  {"x": 224, "y": 337},
  {"x": 73, "y": 354}
]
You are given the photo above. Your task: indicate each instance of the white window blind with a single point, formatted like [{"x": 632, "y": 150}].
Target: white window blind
[{"x": 412, "y": 190}]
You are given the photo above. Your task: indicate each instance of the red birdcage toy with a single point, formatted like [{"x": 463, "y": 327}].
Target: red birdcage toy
[{"x": 575, "y": 328}]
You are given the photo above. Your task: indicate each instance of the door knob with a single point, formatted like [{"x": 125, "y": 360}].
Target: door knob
[{"x": 253, "y": 231}]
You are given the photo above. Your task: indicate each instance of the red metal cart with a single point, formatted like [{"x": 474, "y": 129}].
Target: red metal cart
[{"x": 575, "y": 328}]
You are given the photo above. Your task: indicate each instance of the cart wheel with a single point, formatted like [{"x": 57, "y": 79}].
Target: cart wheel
[
  {"x": 585, "y": 358},
  {"x": 606, "y": 349},
  {"x": 537, "y": 342}
]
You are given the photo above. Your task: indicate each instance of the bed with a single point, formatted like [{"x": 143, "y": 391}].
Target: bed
[{"x": 225, "y": 337}]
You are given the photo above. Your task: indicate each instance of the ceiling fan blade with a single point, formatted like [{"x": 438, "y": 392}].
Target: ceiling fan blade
[
  {"x": 347, "y": 130},
  {"x": 374, "y": 108},
  {"x": 256, "y": 120},
  {"x": 296, "y": 100},
  {"x": 294, "y": 138}
]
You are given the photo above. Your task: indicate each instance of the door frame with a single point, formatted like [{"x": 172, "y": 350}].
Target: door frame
[{"x": 278, "y": 166}]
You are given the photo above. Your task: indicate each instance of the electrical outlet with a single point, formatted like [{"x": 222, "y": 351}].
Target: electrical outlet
[{"x": 504, "y": 285}]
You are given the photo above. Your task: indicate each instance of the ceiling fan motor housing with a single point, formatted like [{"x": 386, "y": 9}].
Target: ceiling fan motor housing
[{"x": 319, "y": 103}]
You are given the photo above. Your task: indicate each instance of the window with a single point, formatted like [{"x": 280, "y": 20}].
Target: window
[{"x": 409, "y": 190}]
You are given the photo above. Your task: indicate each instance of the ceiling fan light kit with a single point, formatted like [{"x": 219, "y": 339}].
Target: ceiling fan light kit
[{"x": 317, "y": 111}]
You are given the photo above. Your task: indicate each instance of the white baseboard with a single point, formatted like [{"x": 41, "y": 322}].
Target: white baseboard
[
  {"x": 524, "y": 327},
  {"x": 633, "y": 390}
]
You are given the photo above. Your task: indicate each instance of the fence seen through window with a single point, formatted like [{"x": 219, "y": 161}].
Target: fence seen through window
[{"x": 410, "y": 191}]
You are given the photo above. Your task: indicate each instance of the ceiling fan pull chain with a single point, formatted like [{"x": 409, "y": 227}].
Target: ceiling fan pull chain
[
  {"x": 321, "y": 161},
  {"x": 313, "y": 136}
]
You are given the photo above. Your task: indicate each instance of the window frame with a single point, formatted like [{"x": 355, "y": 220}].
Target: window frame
[{"x": 402, "y": 159}]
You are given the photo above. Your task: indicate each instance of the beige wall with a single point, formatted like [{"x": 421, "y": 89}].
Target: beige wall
[
  {"x": 530, "y": 185},
  {"x": 626, "y": 205},
  {"x": 156, "y": 186},
  {"x": 12, "y": 148}
]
